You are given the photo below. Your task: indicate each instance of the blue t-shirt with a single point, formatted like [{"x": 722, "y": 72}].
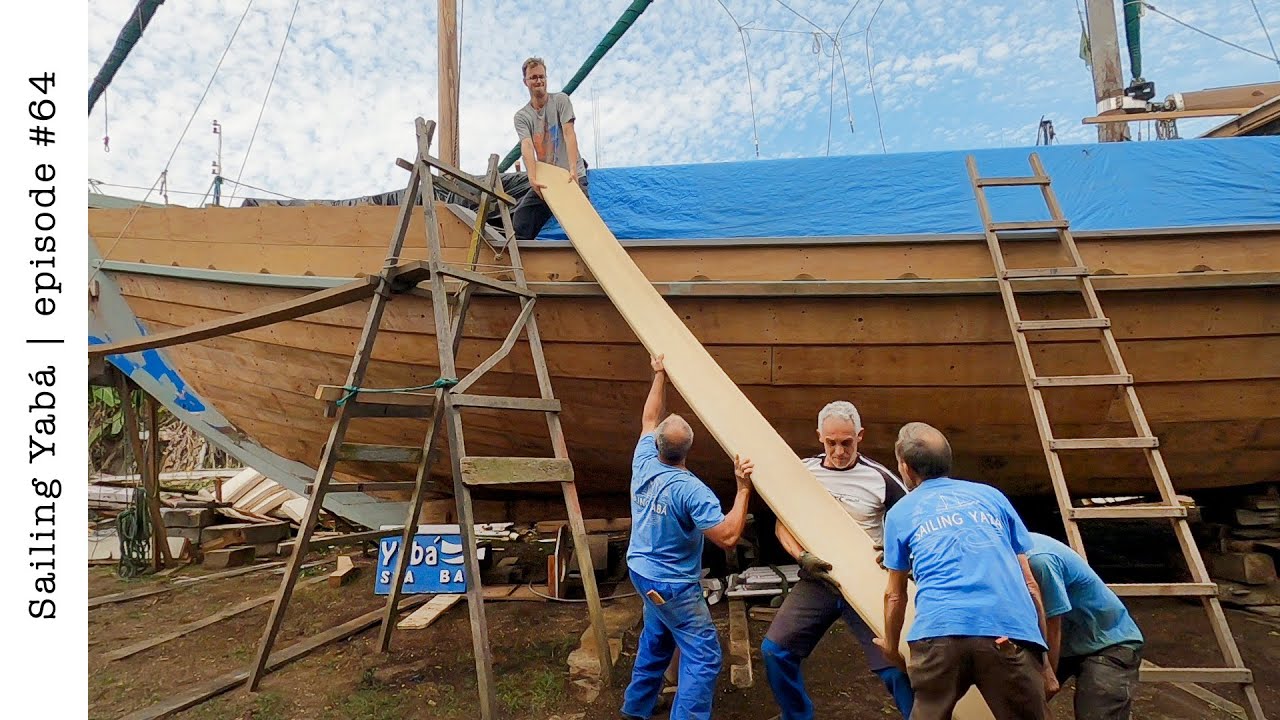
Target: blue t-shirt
[
  {"x": 1093, "y": 617},
  {"x": 962, "y": 539},
  {"x": 670, "y": 508}
]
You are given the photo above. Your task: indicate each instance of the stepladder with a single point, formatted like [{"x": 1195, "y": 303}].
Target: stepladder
[
  {"x": 1034, "y": 331},
  {"x": 441, "y": 404}
]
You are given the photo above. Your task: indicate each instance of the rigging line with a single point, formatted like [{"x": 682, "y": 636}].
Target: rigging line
[
  {"x": 749, "y": 26},
  {"x": 1193, "y": 28},
  {"x": 831, "y": 98},
  {"x": 848, "y": 104},
  {"x": 871, "y": 78},
  {"x": 283, "y": 44},
  {"x": 1265, "y": 32},
  {"x": 847, "y": 16},
  {"x": 192, "y": 192},
  {"x": 178, "y": 144},
  {"x": 793, "y": 12},
  {"x": 742, "y": 35}
]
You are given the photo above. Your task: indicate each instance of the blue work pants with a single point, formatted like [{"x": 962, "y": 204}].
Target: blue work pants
[{"x": 682, "y": 621}]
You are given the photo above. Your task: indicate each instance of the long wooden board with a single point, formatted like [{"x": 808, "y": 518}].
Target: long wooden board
[{"x": 781, "y": 479}]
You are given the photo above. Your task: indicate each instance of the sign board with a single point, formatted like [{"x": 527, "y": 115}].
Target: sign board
[{"x": 435, "y": 565}]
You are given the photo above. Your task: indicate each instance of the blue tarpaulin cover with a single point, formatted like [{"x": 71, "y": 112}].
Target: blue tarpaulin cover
[{"x": 1113, "y": 186}]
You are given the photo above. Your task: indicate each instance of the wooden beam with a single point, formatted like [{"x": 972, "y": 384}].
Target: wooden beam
[
  {"x": 344, "y": 573},
  {"x": 370, "y": 536},
  {"x": 221, "y": 684},
  {"x": 447, "y": 80},
  {"x": 452, "y": 170},
  {"x": 247, "y": 605},
  {"x": 485, "y": 280},
  {"x": 512, "y": 470},
  {"x": 1163, "y": 115},
  {"x": 1256, "y": 118},
  {"x": 360, "y": 452},
  {"x": 505, "y": 403},
  {"x": 298, "y": 307},
  {"x": 127, "y": 595},
  {"x": 740, "y": 673},
  {"x": 1235, "y": 96}
]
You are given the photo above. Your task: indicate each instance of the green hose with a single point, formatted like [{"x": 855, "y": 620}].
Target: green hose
[{"x": 133, "y": 525}]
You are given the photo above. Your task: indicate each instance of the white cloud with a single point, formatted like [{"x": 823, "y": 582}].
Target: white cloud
[{"x": 674, "y": 89}]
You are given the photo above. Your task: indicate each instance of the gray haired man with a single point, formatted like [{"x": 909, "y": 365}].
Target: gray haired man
[{"x": 866, "y": 489}]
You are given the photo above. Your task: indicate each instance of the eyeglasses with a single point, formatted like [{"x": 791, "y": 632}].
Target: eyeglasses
[{"x": 536, "y": 77}]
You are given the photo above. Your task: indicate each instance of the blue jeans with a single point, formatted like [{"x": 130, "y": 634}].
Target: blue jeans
[
  {"x": 808, "y": 611},
  {"x": 683, "y": 621}
]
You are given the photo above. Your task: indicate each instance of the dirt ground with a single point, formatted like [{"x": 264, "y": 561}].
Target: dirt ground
[{"x": 430, "y": 673}]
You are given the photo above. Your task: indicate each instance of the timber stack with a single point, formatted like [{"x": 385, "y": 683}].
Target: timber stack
[{"x": 1241, "y": 545}]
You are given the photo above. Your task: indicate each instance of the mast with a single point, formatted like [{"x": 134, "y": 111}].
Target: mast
[
  {"x": 447, "y": 87},
  {"x": 1104, "y": 59}
]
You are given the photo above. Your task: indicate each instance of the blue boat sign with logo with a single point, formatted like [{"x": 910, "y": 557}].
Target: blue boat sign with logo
[{"x": 435, "y": 565}]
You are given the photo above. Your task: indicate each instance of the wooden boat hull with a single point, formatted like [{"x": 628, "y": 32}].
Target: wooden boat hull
[{"x": 906, "y": 328}]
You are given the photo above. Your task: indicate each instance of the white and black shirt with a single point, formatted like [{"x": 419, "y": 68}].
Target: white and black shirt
[{"x": 866, "y": 489}]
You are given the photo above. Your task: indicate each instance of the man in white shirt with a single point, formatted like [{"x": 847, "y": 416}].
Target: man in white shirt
[{"x": 866, "y": 489}]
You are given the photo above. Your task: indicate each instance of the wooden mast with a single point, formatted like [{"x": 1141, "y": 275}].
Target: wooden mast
[
  {"x": 1104, "y": 59},
  {"x": 447, "y": 86}
]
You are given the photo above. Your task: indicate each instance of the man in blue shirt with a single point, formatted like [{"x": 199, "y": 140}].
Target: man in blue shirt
[
  {"x": 1090, "y": 633},
  {"x": 978, "y": 617},
  {"x": 671, "y": 511}
]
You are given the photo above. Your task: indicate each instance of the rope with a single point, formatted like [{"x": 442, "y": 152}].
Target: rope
[
  {"x": 351, "y": 390},
  {"x": 871, "y": 78},
  {"x": 751, "y": 96},
  {"x": 176, "y": 145},
  {"x": 1206, "y": 33},
  {"x": 283, "y": 44},
  {"x": 1265, "y": 32},
  {"x": 134, "y": 529}
]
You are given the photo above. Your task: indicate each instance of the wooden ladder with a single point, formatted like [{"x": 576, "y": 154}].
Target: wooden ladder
[
  {"x": 443, "y": 409},
  {"x": 1039, "y": 279}
]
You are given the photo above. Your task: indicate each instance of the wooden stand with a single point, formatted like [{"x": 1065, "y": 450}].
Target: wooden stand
[
  {"x": 443, "y": 409},
  {"x": 1098, "y": 324}
]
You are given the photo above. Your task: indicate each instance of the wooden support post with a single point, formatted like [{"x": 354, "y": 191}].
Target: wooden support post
[
  {"x": 160, "y": 552},
  {"x": 447, "y": 92}
]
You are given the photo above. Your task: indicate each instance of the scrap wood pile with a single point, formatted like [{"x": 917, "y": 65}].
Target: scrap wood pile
[
  {"x": 1240, "y": 541},
  {"x": 253, "y": 517}
]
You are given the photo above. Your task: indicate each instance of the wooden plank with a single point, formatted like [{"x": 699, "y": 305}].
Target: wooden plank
[
  {"x": 369, "y": 536},
  {"x": 1210, "y": 698},
  {"x": 1012, "y": 181},
  {"x": 247, "y": 605},
  {"x": 1126, "y": 512},
  {"x": 1066, "y": 324},
  {"x": 1081, "y": 380},
  {"x": 483, "y": 280},
  {"x": 1021, "y": 225},
  {"x": 1197, "y": 675},
  {"x": 1109, "y": 443},
  {"x": 1251, "y": 568},
  {"x": 508, "y": 470},
  {"x": 1044, "y": 273},
  {"x": 361, "y": 452},
  {"x": 1164, "y": 589},
  {"x": 740, "y": 672},
  {"x": 1163, "y": 115},
  {"x": 288, "y": 310},
  {"x": 223, "y": 683},
  {"x": 1233, "y": 96},
  {"x": 429, "y": 613},
  {"x": 456, "y": 174},
  {"x": 781, "y": 479},
  {"x": 126, "y": 596},
  {"x": 333, "y": 393},
  {"x": 344, "y": 573},
  {"x": 506, "y": 403}
]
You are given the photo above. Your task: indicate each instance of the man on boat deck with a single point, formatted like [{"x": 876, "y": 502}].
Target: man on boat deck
[
  {"x": 545, "y": 129},
  {"x": 866, "y": 489},
  {"x": 1090, "y": 633},
  {"x": 978, "y": 620},
  {"x": 671, "y": 511}
]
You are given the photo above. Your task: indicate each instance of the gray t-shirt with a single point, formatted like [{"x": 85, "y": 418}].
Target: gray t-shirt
[{"x": 546, "y": 128}]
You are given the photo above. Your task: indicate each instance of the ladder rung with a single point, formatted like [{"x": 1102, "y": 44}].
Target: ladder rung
[
  {"x": 1081, "y": 380},
  {"x": 1196, "y": 675},
  {"x": 366, "y": 486},
  {"x": 1028, "y": 225},
  {"x": 1007, "y": 181},
  {"x": 510, "y": 470},
  {"x": 1044, "y": 273},
  {"x": 1069, "y": 324},
  {"x": 334, "y": 393},
  {"x": 1164, "y": 589},
  {"x": 1128, "y": 512},
  {"x": 505, "y": 403},
  {"x": 357, "y": 452},
  {"x": 1111, "y": 443}
]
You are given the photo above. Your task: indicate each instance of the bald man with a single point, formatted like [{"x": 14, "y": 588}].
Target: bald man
[
  {"x": 671, "y": 511},
  {"x": 979, "y": 620}
]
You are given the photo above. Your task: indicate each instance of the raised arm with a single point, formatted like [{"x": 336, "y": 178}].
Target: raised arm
[
  {"x": 729, "y": 531},
  {"x": 655, "y": 405}
]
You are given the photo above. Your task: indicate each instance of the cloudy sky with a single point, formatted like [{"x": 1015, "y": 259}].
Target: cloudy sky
[{"x": 352, "y": 76}]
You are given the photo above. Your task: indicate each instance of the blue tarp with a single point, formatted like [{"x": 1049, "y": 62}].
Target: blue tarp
[{"x": 1113, "y": 186}]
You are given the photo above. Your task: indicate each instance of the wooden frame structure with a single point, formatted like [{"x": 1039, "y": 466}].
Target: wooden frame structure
[
  {"x": 1099, "y": 325},
  {"x": 443, "y": 408}
]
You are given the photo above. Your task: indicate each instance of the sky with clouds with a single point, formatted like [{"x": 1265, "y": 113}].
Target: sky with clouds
[{"x": 352, "y": 77}]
